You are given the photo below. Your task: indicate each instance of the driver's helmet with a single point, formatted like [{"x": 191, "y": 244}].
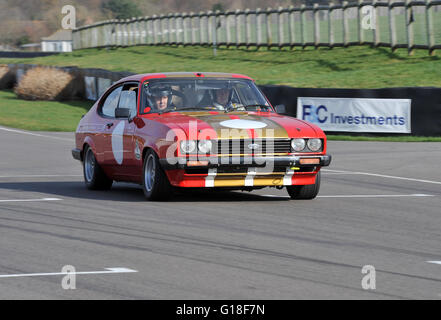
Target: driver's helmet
[
  {"x": 157, "y": 92},
  {"x": 161, "y": 91}
]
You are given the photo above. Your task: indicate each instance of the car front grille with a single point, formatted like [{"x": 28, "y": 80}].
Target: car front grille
[{"x": 249, "y": 146}]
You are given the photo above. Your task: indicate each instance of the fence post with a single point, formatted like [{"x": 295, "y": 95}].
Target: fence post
[
  {"x": 137, "y": 31},
  {"x": 177, "y": 28},
  {"x": 127, "y": 33},
  {"x": 151, "y": 31},
  {"x": 228, "y": 28},
  {"x": 201, "y": 28},
  {"x": 345, "y": 25},
  {"x": 247, "y": 27},
  {"x": 192, "y": 29},
  {"x": 303, "y": 26},
  {"x": 153, "y": 23},
  {"x": 430, "y": 32},
  {"x": 360, "y": 20},
  {"x": 279, "y": 24},
  {"x": 377, "y": 35},
  {"x": 330, "y": 26},
  {"x": 214, "y": 33},
  {"x": 237, "y": 20},
  {"x": 409, "y": 23},
  {"x": 132, "y": 31},
  {"x": 169, "y": 28},
  {"x": 392, "y": 28},
  {"x": 316, "y": 26},
  {"x": 291, "y": 30},
  {"x": 259, "y": 24},
  {"x": 268, "y": 28},
  {"x": 184, "y": 29}
]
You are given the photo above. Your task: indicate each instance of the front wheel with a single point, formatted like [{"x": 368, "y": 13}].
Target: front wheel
[
  {"x": 94, "y": 176},
  {"x": 155, "y": 183},
  {"x": 307, "y": 192}
]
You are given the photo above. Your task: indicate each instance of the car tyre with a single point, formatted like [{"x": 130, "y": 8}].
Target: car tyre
[
  {"x": 94, "y": 176},
  {"x": 155, "y": 183},
  {"x": 307, "y": 192}
]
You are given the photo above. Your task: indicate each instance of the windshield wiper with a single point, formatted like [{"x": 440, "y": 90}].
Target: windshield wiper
[
  {"x": 258, "y": 106},
  {"x": 184, "y": 108}
]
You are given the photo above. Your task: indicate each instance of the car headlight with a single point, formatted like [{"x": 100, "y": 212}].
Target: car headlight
[
  {"x": 314, "y": 144},
  {"x": 298, "y": 144},
  {"x": 188, "y": 146},
  {"x": 205, "y": 146}
]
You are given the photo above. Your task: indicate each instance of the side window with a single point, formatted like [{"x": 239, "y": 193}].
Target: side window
[
  {"x": 111, "y": 102},
  {"x": 128, "y": 98}
]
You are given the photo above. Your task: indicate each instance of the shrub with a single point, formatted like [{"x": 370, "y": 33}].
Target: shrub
[
  {"x": 45, "y": 84},
  {"x": 5, "y": 77}
]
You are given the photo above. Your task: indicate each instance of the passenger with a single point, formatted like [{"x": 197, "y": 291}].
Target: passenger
[{"x": 222, "y": 97}]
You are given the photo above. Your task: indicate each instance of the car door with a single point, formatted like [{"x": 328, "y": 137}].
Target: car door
[
  {"x": 106, "y": 120},
  {"x": 120, "y": 157}
]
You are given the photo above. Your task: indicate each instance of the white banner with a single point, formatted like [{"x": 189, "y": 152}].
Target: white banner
[{"x": 356, "y": 114}]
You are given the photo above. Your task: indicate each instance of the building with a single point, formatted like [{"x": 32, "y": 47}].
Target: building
[{"x": 60, "y": 41}]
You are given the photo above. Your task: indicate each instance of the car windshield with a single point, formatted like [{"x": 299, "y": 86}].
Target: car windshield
[{"x": 167, "y": 95}]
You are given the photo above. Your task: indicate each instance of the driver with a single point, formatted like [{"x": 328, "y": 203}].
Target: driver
[
  {"x": 161, "y": 97},
  {"x": 222, "y": 97}
]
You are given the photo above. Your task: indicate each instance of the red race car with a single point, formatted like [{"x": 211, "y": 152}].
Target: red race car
[{"x": 197, "y": 130}]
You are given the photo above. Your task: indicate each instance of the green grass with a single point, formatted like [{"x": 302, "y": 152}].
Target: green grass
[
  {"x": 354, "y": 67},
  {"x": 40, "y": 115}
]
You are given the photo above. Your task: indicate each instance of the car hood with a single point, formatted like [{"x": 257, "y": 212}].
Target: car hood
[{"x": 236, "y": 125}]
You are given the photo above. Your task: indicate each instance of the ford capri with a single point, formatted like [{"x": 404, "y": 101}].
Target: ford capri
[{"x": 171, "y": 131}]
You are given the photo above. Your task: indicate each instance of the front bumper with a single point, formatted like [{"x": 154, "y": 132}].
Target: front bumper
[
  {"x": 76, "y": 154},
  {"x": 257, "y": 161}
]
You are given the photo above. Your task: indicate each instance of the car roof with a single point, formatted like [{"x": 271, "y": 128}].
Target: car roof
[{"x": 147, "y": 76}]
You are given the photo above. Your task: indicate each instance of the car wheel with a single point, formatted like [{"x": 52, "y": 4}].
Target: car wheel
[
  {"x": 307, "y": 192},
  {"x": 155, "y": 183},
  {"x": 94, "y": 176}
]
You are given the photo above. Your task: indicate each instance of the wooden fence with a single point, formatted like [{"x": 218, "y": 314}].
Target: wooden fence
[{"x": 410, "y": 24}]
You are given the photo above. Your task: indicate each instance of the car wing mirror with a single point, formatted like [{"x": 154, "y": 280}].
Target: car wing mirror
[
  {"x": 280, "y": 109},
  {"x": 122, "y": 113}
]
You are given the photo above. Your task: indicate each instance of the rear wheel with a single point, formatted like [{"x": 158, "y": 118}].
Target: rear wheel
[
  {"x": 155, "y": 183},
  {"x": 307, "y": 192},
  {"x": 94, "y": 176}
]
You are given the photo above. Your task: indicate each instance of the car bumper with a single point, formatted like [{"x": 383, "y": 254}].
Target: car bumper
[
  {"x": 258, "y": 161},
  {"x": 76, "y": 154}
]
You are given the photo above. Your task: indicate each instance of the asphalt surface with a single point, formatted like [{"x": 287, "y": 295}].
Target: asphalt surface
[{"x": 235, "y": 245}]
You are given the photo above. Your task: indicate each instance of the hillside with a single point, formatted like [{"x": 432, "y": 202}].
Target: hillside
[{"x": 354, "y": 67}]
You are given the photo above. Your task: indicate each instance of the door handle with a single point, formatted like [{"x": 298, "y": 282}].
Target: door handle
[{"x": 109, "y": 125}]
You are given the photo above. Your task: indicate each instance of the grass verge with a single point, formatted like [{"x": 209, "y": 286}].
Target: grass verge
[
  {"x": 40, "y": 115},
  {"x": 353, "y": 67}
]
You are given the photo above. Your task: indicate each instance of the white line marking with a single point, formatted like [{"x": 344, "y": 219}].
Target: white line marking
[
  {"x": 109, "y": 270},
  {"x": 435, "y": 262},
  {"x": 43, "y": 176},
  {"x": 379, "y": 175},
  {"x": 31, "y": 200},
  {"x": 361, "y": 195},
  {"x": 34, "y": 134},
  {"x": 377, "y": 195}
]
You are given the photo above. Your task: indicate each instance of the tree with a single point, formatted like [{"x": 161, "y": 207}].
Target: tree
[{"x": 122, "y": 9}]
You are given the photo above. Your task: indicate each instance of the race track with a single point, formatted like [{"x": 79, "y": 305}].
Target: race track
[{"x": 379, "y": 205}]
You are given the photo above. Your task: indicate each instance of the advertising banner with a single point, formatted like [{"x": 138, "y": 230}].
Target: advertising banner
[{"x": 356, "y": 114}]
